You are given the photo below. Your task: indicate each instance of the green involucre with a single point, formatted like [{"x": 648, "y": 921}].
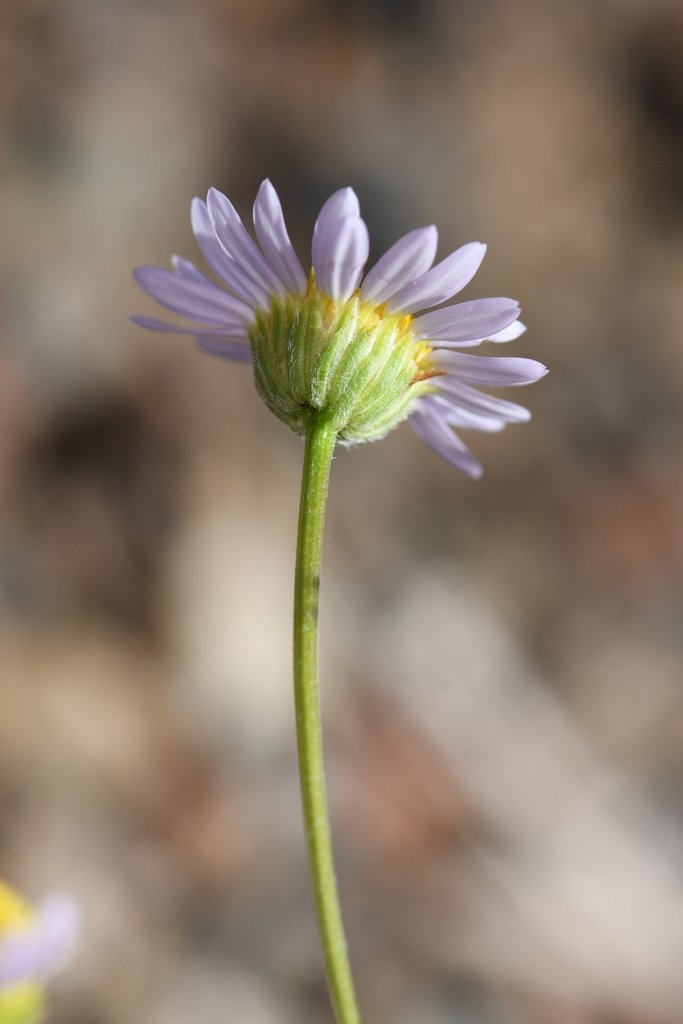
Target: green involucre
[{"x": 350, "y": 362}]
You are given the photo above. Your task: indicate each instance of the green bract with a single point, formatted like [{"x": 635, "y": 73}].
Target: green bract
[{"x": 357, "y": 365}]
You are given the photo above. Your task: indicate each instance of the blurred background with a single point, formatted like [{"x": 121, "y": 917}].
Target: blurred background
[{"x": 503, "y": 680}]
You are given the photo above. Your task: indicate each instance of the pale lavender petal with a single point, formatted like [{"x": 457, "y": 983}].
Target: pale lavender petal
[
  {"x": 271, "y": 231},
  {"x": 510, "y": 333},
  {"x": 191, "y": 297},
  {"x": 431, "y": 429},
  {"x": 507, "y": 334},
  {"x": 405, "y": 261},
  {"x": 340, "y": 245},
  {"x": 233, "y": 350},
  {"x": 220, "y": 261},
  {"x": 151, "y": 323},
  {"x": 456, "y": 415},
  {"x": 41, "y": 949},
  {"x": 239, "y": 244},
  {"x": 469, "y": 398},
  {"x": 340, "y": 205},
  {"x": 442, "y": 282},
  {"x": 466, "y": 322},
  {"x": 489, "y": 371},
  {"x": 243, "y": 311},
  {"x": 186, "y": 268},
  {"x": 340, "y": 272}
]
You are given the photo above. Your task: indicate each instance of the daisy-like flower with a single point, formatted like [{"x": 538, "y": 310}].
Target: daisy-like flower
[
  {"x": 35, "y": 944},
  {"x": 367, "y": 352}
]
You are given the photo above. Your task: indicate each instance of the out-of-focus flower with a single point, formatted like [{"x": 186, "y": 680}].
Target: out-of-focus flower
[
  {"x": 35, "y": 944},
  {"x": 363, "y": 352}
]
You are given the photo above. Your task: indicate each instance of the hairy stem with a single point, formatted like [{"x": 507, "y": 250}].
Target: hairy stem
[{"x": 320, "y": 441}]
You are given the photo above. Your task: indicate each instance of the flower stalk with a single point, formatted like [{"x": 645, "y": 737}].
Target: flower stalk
[{"x": 320, "y": 441}]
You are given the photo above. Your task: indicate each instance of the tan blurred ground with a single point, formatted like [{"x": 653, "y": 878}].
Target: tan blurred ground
[{"x": 503, "y": 686}]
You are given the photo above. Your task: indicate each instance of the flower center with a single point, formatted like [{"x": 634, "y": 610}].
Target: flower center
[{"x": 351, "y": 362}]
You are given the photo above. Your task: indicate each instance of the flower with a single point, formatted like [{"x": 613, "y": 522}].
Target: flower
[
  {"x": 35, "y": 944},
  {"x": 366, "y": 352}
]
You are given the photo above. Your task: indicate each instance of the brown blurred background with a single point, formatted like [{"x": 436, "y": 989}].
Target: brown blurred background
[{"x": 503, "y": 681}]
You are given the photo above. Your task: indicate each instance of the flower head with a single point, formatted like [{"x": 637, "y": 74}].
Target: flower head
[
  {"x": 35, "y": 944},
  {"x": 364, "y": 352}
]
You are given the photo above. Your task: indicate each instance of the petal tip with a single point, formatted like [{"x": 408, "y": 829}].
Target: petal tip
[
  {"x": 348, "y": 193},
  {"x": 266, "y": 188},
  {"x": 344, "y": 202},
  {"x": 140, "y": 274},
  {"x": 217, "y": 203},
  {"x": 199, "y": 216}
]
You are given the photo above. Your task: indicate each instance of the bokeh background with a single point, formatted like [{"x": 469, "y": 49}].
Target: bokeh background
[{"x": 503, "y": 680}]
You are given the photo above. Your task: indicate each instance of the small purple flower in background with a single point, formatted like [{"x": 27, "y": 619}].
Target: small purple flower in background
[
  {"x": 367, "y": 352},
  {"x": 35, "y": 944}
]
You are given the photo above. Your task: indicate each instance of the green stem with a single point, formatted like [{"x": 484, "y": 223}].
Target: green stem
[{"x": 320, "y": 441}]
